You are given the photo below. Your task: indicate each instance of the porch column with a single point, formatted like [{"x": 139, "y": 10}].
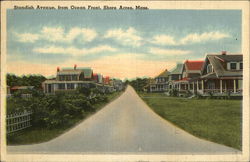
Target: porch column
[
  {"x": 179, "y": 86},
  {"x": 66, "y": 86},
  {"x": 202, "y": 85},
  {"x": 188, "y": 86},
  {"x": 234, "y": 86},
  {"x": 220, "y": 86},
  {"x": 197, "y": 85},
  {"x": 193, "y": 87}
]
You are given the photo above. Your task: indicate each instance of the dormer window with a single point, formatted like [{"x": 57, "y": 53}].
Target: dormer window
[{"x": 233, "y": 66}]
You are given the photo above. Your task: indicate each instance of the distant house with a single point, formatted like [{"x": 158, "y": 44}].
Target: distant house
[
  {"x": 70, "y": 79},
  {"x": 221, "y": 73},
  {"x": 191, "y": 70},
  {"x": 22, "y": 89},
  {"x": 160, "y": 82},
  {"x": 117, "y": 84}
]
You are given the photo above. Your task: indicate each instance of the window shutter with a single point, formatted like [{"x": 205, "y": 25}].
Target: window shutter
[
  {"x": 228, "y": 66},
  {"x": 237, "y": 66}
]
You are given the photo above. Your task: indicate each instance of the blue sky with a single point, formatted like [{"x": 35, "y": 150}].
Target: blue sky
[{"x": 123, "y": 44}]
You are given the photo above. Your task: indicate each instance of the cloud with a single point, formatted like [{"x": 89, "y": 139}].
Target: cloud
[
  {"x": 163, "y": 40},
  {"x": 125, "y": 37},
  {"x": 168, "y": 52},
  {"x": 58, "y": 34},
  {"x": 74, "y": 51},
  {"x": 121, "y": 65},
  {"x": 189, "y": 39},
  {"x": 27, "y": 37},
  {"x": 204, "y": 37}
]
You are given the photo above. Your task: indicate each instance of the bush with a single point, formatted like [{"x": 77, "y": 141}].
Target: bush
[
  {"x": 173, "y": 92},
  {"x": 57, "y": 110}
]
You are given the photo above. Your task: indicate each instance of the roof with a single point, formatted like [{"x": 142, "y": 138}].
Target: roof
[
  {"x": 178, "y": 69},
  {"x": 22, "y": 87},
  {"x": 220, "y": 71},
  {"x": 69, "y": 71},
  {"x": 165, "y": 73},
  {"x": 87, "y": 72},
  {"x": 183, "y": 80},
  {"x": 229, "y": 57},
  {"x": 194, "y": 65}
]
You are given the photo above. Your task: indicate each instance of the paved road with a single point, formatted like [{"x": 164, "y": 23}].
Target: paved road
[{"x": 127, "y": 125}]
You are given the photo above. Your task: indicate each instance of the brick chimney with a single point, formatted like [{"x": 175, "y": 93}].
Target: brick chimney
[
  {"x": 223, "y": 52},
  {"x": 75, "y": 67},
  {"x": 58, "y": 69}
]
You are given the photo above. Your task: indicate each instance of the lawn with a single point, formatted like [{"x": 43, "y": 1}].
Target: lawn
[
  {"x": 212, "y": 119},
  {"x": 38, "y": 135}
]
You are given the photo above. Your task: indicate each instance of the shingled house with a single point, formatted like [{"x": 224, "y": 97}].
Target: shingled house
[
  {"x": 160, "y": 82},
  {"x": 221, "y": 73}
]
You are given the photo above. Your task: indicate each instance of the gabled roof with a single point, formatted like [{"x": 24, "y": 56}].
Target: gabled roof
[
  {"x": 194, "y": 65},
  {"x": 165, "y": 73},
  {"x": 178, "y": 69}
]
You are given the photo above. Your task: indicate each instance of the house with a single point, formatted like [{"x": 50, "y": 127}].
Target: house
[
  {"x": 117, "y": 84},
  {"x": 24, "y": 90},
  {"x": 191, "y": 70},
  {"x": 221, "y": 74},
  {"x": 69, "y": 79},
  {"x": 160, "y": 82},
  {"x": 175, "y": 74}
]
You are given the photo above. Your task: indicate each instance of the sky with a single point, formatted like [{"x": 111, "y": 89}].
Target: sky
[{"x": 120, "y": 44}]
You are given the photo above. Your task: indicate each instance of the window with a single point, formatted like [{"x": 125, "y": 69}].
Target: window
[
  {"x": 209, "y": 68},
  {"x": 70, "y": 86},
  {"x": 61, "y": 77},
  {"x": 61, "y": 86},
  {"x": 74, "y": 77},
  {"x": 233, "y": 66},
  {"x": 241, "y": 65}
]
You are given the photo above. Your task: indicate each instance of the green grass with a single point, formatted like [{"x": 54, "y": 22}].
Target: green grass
[
  {"x": 212, "y": 119},
  {"x": 34, "y": 135}
]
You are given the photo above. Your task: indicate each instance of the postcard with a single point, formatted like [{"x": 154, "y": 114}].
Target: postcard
[{"x": 124, "y": 81}]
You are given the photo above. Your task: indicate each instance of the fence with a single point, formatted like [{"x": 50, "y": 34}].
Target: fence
[{"x": 18, "y": 121}]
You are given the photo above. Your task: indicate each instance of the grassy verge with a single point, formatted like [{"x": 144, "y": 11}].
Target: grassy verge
[
  {"x": 37, "y": 135},
  {"x": 212, "y": 119}
]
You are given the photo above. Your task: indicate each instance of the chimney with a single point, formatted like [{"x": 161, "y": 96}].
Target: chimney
[
  {"x": 223, "y": 52},
  {"x": 58, "y": 69},
  {"x": 75, "y": 67}
]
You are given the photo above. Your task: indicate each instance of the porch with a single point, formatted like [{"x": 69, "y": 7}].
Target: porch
[{"x": 217, "y": 87}]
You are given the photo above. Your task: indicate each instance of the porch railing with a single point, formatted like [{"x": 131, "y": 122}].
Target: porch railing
[{"x": 223, "y": 90}]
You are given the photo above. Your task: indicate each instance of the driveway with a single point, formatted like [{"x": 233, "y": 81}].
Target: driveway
[{"x": 126, "y": 125}]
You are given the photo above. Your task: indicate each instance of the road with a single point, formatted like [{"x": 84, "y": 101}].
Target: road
[{"x": 126, "y": 125}]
